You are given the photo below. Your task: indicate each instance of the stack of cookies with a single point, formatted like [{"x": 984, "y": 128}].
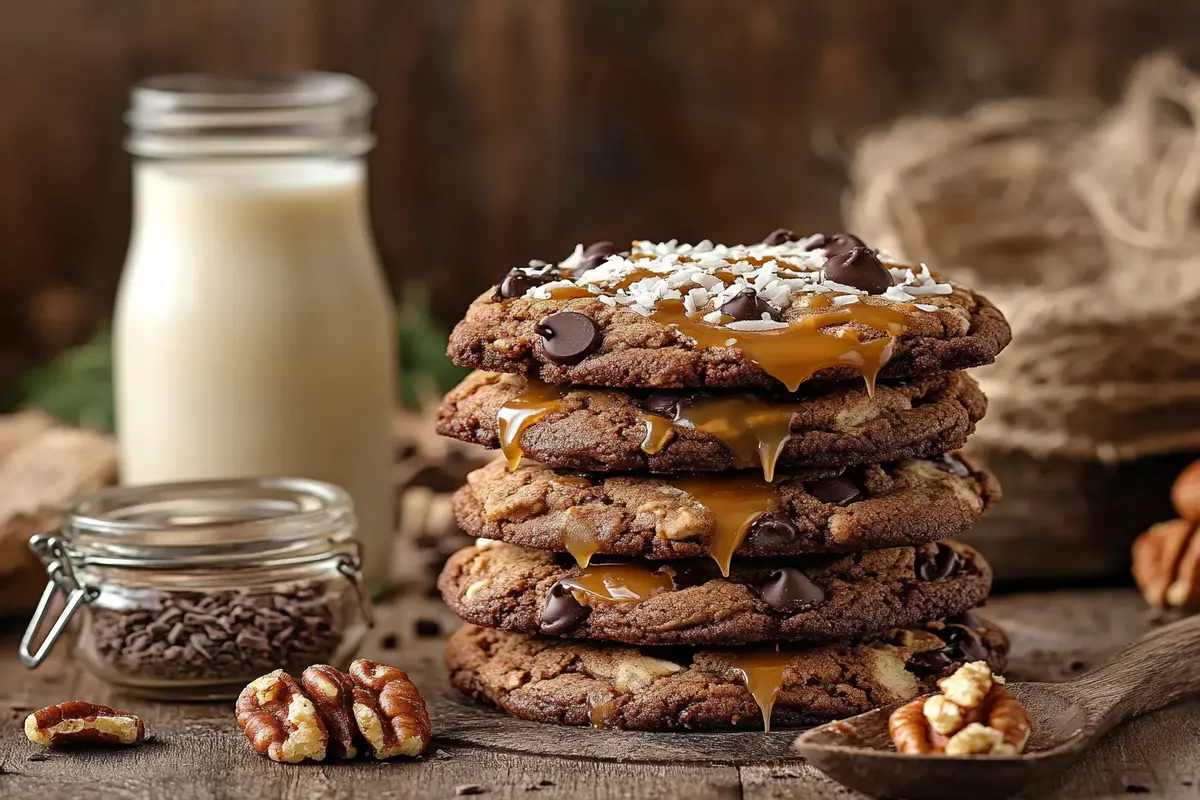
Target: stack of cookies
[{"x": 726, "y": 485}]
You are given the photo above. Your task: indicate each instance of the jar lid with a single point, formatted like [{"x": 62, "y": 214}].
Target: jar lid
[{"x": 210, "y": 523}]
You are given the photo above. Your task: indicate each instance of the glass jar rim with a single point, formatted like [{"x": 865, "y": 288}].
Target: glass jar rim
[
  {"x": 197, "y": 115},
  {"x": 211, "y": 523}
]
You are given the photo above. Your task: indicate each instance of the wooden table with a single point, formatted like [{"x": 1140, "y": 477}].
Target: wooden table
[{"x": 198, "y": 752}]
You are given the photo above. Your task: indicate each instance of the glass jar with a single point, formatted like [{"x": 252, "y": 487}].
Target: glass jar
[
  {"x": 254, "y": 332},
  {"x": 192, "y": 590}
]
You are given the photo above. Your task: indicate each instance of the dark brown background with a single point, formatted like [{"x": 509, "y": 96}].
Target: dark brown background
[{"x": 511, "y": 129}]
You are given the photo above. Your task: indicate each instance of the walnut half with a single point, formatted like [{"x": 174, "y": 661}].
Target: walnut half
[{"x": 76, "y": 722}]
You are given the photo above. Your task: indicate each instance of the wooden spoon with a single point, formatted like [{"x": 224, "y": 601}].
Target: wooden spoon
[{"x": 1160, "y": 668}]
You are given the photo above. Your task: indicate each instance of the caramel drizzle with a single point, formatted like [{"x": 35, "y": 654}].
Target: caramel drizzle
[
  {"x": 620, "y": 583},
  {"x": 735, "y": 502},
  {"x": 534, "y": 402},
  {"x": 658, "y": 432},
  {"x": 579, "y": 537},
  {"x": 795, "y": 353},
  {"x": 598, "y": 713},
  {"x": 761, "y": 672}
]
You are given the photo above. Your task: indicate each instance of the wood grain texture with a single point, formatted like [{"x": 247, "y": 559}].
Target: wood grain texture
[
  {"x": 511, "y": 129},
  {"x": 197, "y": 751}
]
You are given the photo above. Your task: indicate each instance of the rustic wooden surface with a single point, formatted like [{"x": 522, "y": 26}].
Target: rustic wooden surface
[
  {"x": 511, "y": 129},
  {"x": 197, "y": 752}
]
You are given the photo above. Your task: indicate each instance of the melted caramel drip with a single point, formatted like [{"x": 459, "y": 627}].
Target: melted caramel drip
[
  {"x": 658, "y": 430},
  {"x": 597, "y": 713},
  {"x": 620, "y": 583},
  {"x": 570, "y": 292},
  {"x": 761, "y": 672},
  {"x": 735, "y": 501},
  {"x": 579, "y": 537},
  {"x": 795, "y": 353},
  {"x": 754, "y": 430},
  {"x": 534, "y": 402}
]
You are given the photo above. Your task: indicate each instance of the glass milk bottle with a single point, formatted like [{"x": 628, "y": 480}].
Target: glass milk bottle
[{"x": 254, "y": 333}]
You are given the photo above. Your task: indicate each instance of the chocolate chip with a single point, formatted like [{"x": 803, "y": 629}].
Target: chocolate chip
[
  {"x": 748, "y": 305},
  {"x": 517, "y": 282},
  {"x": 842, "y": 243},
  {"x": 836, "y": 490},
  {"x": 667, "y": 404},
  {"x": 780, "y": 236},
  {"x": 962, "y": 645},
  {"x": 563, "y": 613},
  {"x": 601, "y": 249},
  {"x": 859, "y": 268},
  {"x": 769, "y": 531},
  {"x": 944, "y": 563},
  {"x": 428, "y": 628},
  {"x": 948, "y": 462},
  {"x": 569, "y": 337},
  {"x": 692, "y": 572},
  {"x": 789, "y": 591}
]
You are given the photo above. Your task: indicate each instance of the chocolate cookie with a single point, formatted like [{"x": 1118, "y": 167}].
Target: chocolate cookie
[
  {"x": 609, "y": 430},
  {"x": 813, "y": 599},
  {"x": 877, "y": 506},
  {"x": 684, "y": 689},
  {"x": 758, "y": 316}
]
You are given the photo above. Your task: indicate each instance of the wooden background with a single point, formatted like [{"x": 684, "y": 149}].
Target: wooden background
[{"x": 511, "y": 129}]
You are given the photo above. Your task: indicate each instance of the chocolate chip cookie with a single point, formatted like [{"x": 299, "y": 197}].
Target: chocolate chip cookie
[
  {"x": 607, "y": 430},
  {"x": 693, "y": 516},
  {"x": 689, "y": 602},
  {"x": 686, "y": 689},
  {"x": 670, "y": 315}
]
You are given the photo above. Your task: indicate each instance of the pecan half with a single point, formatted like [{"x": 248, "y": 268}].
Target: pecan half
[
  {"x": 77, "y": 722},
  {"x": 280, "y": 721},
  {"x": 389, "y": 711},
  {"x": 1166, "y": 564}
]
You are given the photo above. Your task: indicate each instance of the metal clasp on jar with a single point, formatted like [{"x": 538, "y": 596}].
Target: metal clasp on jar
[{"x": 53, "y": 552}]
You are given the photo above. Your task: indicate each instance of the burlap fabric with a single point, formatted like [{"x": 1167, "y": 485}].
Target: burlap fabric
[{"x": 1083, "y": 227}]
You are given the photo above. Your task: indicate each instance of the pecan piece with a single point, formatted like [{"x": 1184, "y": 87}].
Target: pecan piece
[
  {"x": 974, "y": 715},
  {"x": 1166, "y": 564},
  {"x": 389, "y": 711},
  {"x": 1185, "y": 493},
  {"x": 77, "y": 722},
  {"x": 332, "y": 692},
  {"x": 280, "y": 721}
]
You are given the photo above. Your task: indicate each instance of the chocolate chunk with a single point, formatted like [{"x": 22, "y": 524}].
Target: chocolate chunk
[
  {"x": 948, "y": 462},
  {"x": 692, "y": 572},
  {"x": 667, "y": 404},
  {"x": 563, "y": 613},
  {"x": 780, "y": 236},
  {"x": 604, "y": 249},
  {"x": 842, "y": 243},
  {"x": 772, "y": 530},
  {"x": 748, "y": 305},
  {"x": 569, "y": 337},
  {"x": 944, "y": 563},
  {"x": 789, "y": 591},
  {"x": 517, "y": 282},
  {"x": 428, "y": 628},
  {"x": 836, "y": 490},
  {"x": 962, "y": 645},
  {"x": 859, "y": 268}
]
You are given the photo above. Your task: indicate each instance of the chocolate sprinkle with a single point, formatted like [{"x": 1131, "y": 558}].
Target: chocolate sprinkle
[
  {"x": 780, "y": 236},
  {"x": 772, "y": 530},
  {"x": 747, "y": 305},
  {"x": 859, "y": 268},
  {"x": 563, "y": 613},
  {"x": 944, "y": 563},
  {"x": 569, "y": 337},
  {"x": 788, "y": 590},
  {"x": 837, "y": 490}
]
